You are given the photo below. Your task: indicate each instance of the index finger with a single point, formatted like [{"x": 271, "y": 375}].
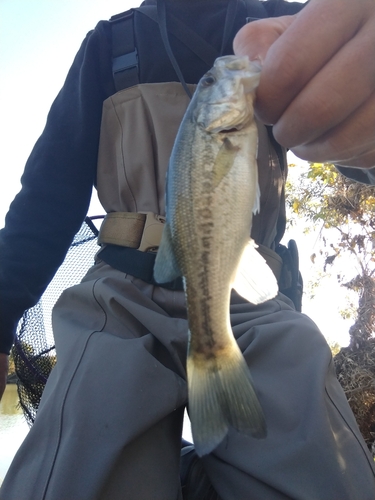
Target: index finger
[{"x": 309, "y": 40}]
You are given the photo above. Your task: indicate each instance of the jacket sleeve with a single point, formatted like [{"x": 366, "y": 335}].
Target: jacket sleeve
[
  {"x": 56, "y": 185},
  {"x": 365, "y": 176},
  {"x": 277, "y": 8}
]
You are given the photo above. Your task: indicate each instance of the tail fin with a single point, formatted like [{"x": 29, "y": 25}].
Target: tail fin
[{"x": 220, "y": 397}]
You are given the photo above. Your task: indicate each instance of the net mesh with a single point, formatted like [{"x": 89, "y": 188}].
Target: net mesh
[{"x": 34, "y": 348}]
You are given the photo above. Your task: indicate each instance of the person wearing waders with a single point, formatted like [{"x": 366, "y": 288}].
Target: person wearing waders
[{"x": 110, "y": 419}]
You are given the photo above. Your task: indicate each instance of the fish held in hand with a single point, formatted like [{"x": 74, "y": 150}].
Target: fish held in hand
[{"x": 211, "y": 194}]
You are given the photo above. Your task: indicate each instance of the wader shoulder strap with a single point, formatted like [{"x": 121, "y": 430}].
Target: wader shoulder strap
[{"x": 124, "y": 51}]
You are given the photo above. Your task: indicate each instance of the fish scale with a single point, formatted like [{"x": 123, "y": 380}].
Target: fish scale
[{"x": 211, "y": 193}]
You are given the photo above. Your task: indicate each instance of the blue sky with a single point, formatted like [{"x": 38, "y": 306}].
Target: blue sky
[{"x": 38, "y": 41}]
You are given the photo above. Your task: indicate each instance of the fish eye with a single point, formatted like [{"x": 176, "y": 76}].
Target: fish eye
[{"x": 208, "y": 80}]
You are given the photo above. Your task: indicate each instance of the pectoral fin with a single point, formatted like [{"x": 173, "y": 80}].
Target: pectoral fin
[
  {"x": 254, "y": 280},
  {"x": 166, "y": 268},
  {"x": 224, "y": 161}
]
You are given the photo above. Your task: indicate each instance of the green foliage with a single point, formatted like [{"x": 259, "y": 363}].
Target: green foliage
[
  {"x": 343, "y": 212},
  {"x": 328, "y": 200},
  {"x": 331, "y": 190},
  {"x": 312, "y": 196}
]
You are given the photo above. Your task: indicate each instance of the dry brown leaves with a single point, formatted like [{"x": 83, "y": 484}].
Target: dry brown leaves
[{"x": 356, "y": 373}]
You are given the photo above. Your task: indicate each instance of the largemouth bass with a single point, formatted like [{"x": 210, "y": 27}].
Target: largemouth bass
[{"x": 211, "y": 194}]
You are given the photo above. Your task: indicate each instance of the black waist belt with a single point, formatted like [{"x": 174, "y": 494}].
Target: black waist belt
[{"x": 138, "y": 264}]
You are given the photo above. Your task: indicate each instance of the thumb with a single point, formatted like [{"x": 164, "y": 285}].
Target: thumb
[{"x": 254, "y": 39}]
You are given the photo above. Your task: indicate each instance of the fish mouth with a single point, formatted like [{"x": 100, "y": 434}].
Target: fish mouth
[
  {"x": 229, "y": 130},
  {"x": 229, "y": 121},
  {"x": 223, "y": 130}
]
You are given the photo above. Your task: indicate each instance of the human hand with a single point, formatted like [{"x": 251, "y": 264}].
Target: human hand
[
  {"x": 317, "y": 84},
  {"x": 4, "y": 366}
]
